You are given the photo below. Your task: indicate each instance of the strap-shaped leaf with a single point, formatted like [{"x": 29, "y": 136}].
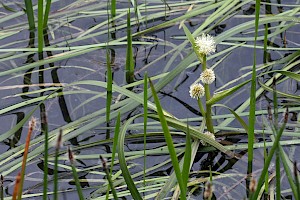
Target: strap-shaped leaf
[
  {"x": 278, "y": 92},
  {"x": 221, "y": 95},
  {"x": 194, "y": 133}
]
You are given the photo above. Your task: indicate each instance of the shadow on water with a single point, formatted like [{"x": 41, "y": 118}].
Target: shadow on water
[{"x": 11, "y": 142}]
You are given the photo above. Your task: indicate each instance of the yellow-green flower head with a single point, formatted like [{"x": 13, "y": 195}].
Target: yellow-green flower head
[
  {"x": 197, "y": 91},
  {"x": 207, "y": 76},
  {"x": 209, "y": 134},
  {"x": 205, "y": 44}
]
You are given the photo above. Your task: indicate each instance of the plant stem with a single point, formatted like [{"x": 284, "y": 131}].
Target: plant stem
[
  {"x": 208, "y": 117},
  {"x": 21, "y": 175},
  {"x": 40, "y": 26},
  {"x": 108, "y": 175},
  {"x": 55, "y": 177},
  {"x": 44, "y": 125},
  {"x": 75, "y": 175},
  {"x": 46, "y": 16},
  {"x": 209, "y": 123},
  {"x": 30, "y": 15},
  {"x": 201, "y": 107}
]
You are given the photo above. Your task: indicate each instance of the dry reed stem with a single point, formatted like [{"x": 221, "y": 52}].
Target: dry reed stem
[
  {"x": 32, "y": 124},
  {"x": 16, "y": 189}
]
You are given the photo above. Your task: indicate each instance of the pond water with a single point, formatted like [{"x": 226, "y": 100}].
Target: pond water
[{"x": 75, "y": 24}]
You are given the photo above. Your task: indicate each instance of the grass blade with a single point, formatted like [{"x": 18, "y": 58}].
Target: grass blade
[
  {"x": 194, "y": 133},
  {"x": 116, "y": 136},
  {"x": 40, "y": 26},
  {"x": 265, "y": 158},
  {"x": 114, "y": 150},
  {"x": 269, "y": 158},
  {"x": 221, "y": 95},
  {"x": 145, "y": 120},
  {"x": 170, "y": 183},
  {"x": 296, "y": 175},
  {"x": 55, "y": 176},
  {"x": 46, "y": 15},
  {"x": 8, "y": 8},
  {"x": 191, "y": 38},
  {"x": 108, "y": 175},
  {"x": 30, "y": 15},
  {"x": 242, "y": 122},
  {"x": 109, "y": 87},
  {"x": 169, "y": 142},
  {"x": 187, "y": 159},
  {"x": 75, "y": 175},
  {"x": 284, "y": 161},
  {"x": 123, "y": 165},
  {"x": 129, "y": 53},
  {"x": 292, "y": 75},
  {"x": 113, "y": 8},
  {"x": 44, "y": 125},
  {"x": 253, "y": 94},
  {"x": 277, "y": 156}
]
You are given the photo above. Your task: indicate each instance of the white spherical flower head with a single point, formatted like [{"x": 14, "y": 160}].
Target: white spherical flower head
[
  {"x": 197, "y": 91},
  {"x": 209, "y": 134},
  {"x": 207, "y": 76},
  {"x": 205, "y": 44}
]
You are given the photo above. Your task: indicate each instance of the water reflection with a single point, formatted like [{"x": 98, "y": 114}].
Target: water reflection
[{"x": 12, "y": 142}]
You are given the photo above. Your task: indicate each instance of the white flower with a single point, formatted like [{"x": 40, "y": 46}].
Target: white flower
[
  {"x": 209, "y": 134},
  {"x": 197, "y": 91},
  {"x": 205, "y": 44},
  {"x": 207, "y": 76}
]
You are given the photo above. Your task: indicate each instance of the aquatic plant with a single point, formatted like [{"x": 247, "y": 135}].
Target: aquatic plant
[
  {"x": 82, "y": 72},
  {"x": 197, "y": 91},
  {"x": 207, "y": 76},
  {"x": 205, "y": 44}
]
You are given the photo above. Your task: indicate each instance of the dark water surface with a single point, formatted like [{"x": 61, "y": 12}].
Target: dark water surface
[{"x": 92, "y": 66}]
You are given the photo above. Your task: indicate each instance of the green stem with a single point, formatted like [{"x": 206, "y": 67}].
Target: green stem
[
  {"x": 201, "y": 107},
  {"x": 277, "y": 164},
  {"x": 55, "y": 176},
  {"x": 268, "y": 161},
  {"x": 45, "y": 131},
  {"x": 75, "y": 175},
  {"x": 30, "y": 15},
  {"x": 209, "y": 123},
  {"x": 208, "y": 117},
  {"x": 46, "y": 16},
  {"x": 40, "y": 26}
]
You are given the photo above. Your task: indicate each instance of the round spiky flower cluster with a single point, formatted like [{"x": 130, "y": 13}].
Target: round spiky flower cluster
[
  {"x": 205, "y": 44},
  {"x": 197, "y": 91},
  {"x": 207, "y": 76},
  {"x": 209, "y": 134}
]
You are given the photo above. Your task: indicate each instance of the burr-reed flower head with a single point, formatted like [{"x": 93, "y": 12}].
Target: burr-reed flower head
[
  {"x": 197, "y": 91},
  {"x": 209, "y": 134},
  {"x": 207, "y": 76},
  {"x": 205, "y": 44}
]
